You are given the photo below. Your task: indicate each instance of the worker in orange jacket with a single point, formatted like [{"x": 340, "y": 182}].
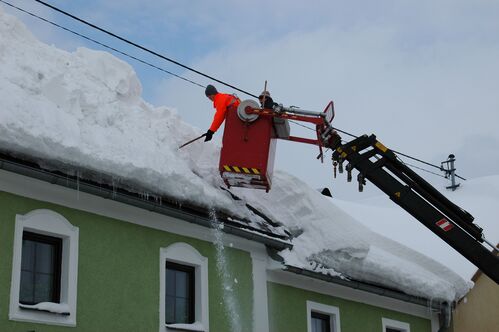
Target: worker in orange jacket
[{"x": 222, "y": 103}]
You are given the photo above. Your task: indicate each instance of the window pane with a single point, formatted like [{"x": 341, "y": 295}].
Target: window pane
[
  {"x": 44, "y": 257},
  {"x": 320, "y": 322},
  {"x": 27, "y": 283},
  {"x": 389, "y": 329},
  {"x": 170, "y": 282},
  {"x": 28, "y": 251},
  {"x": 43, "y": 288},
  {"x": 181, "y": 282},
  {"x": 318, "y": 325},
  {"x": 170, "y": 310},
  {"x": 181, "y": 311}
]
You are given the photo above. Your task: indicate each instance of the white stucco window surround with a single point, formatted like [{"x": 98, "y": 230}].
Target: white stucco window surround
[
  {"x": 50, "y": 223},
  {"x": 332, "y": 312},
  {"x": 390, "y": 324},
  {"x": 184, "y": 254}
]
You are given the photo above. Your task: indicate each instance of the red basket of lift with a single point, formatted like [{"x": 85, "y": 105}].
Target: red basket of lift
[
  {"x": 249, "y": 141},
  {"x": 248, "y": 149}
]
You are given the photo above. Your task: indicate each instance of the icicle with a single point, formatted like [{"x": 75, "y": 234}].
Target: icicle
[
  {"x": 114, "y": 187},
  {"x": 231, "y": 306},
  {"x": 77, "y": 184}
]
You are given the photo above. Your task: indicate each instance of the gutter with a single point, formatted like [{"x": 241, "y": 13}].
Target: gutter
[
  {"x": 189, "y": 213},
  {"x": 370, "y": 288}
]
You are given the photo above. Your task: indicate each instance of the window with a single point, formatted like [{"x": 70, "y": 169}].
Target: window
[
  {"x": 183, "y": 289},
  {"x": 40, "y": 269},
  {"x": 390, "y": 325},
  {"x": 320, "y": 322},
  {"x": 179, "y": 293},
  {"x": 44, "y": 269},
  {"x": 322, "y": 318}
]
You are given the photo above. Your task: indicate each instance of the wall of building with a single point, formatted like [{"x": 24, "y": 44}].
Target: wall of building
[
  {"x": 288, "y": 312},
  {"x": 479, "y": 310},
  {"x": 118, "y": 272}
]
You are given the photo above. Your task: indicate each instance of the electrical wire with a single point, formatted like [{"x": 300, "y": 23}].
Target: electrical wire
[
  {"x": 398, "y": 153},
  {"x": 301, "y": 125},
  {"x": 422, "y": 169},
  {"x": 101, "y": 44},
  {"x": 181, "y": 65},
  {"x": 410, "y": 157},
  {"x": 142, "y": 47}
]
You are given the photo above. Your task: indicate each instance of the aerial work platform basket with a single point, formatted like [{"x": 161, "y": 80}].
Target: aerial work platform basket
[
  {"x": 249, "y": 141},
  {"x": 248, "y": 150}
]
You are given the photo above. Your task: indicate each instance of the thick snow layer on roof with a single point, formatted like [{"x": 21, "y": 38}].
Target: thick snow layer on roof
[
  {"x": 84, "y": 110},
  {"x": 332, "y": 239}
]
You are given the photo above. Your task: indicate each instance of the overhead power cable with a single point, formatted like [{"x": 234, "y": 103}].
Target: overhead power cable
[
  {"x": 177, "y": 63},
  {"x": 410, "y": 157},
  {"x": 422, "y": 169},
  {"x": 397, "y": 152},
  {"x": 101, "y": 44},
  {"x": 142, "y": 47}
]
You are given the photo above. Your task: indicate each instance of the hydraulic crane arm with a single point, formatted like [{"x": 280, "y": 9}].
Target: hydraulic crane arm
[
  {"x": 382, "y": 167},
  {"x": 452, "y": 224}
]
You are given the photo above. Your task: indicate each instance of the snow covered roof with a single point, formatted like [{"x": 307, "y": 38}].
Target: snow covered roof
[{"x": 83, "y": 110}]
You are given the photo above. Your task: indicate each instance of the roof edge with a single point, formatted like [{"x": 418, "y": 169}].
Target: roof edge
[
  {"x": 190, "y": 213},
  {"x": 374, "y": 289}
]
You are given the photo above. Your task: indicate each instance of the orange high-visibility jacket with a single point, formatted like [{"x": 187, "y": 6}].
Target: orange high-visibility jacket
[{"x": 222, "y": 103}]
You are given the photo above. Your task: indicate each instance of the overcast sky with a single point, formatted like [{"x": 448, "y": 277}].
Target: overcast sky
[{"x": 423, "y": 76}]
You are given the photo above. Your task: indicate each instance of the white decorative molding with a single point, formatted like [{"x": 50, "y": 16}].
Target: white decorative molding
[
  {"x": 47, "y": 222},
  {"x": 332, "y": 312},
  {"x": 260, "y": 299},
  {"x": 185, "y": 254},
  {"x": 395, "y": 324}
]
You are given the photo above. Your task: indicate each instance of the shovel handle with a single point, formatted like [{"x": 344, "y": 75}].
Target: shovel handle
[{"x": 191, "y": 141}]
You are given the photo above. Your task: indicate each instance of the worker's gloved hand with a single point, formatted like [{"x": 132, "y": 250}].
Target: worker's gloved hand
[{"x": 209, "y": 135}]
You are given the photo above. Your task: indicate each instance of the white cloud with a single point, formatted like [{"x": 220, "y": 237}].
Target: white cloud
[{"x": 423, "y": 99}]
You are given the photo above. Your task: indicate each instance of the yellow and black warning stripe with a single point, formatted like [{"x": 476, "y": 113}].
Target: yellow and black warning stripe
[{"x": 237, "y": 169}]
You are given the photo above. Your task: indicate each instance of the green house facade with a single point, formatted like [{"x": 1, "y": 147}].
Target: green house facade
[{"x": 115, "y": 250}]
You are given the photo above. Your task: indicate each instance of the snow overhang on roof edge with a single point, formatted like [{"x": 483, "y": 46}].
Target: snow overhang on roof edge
[
  {"x": 374, "y": 289},
  {"x": 192, "y": 214}
]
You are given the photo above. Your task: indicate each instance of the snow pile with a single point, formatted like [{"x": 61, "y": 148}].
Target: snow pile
[
  {"x": 84, "y": 110},
  {"x": 197, "y": 326},
  {"x": 333, "y": 239},
  {"x": 57, "y": 308}
]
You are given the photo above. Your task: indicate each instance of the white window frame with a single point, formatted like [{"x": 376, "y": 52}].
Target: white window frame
[
  {"x": 47, "y": 222},
  {"x": 185, "y": 254},
  {"x": 332, "y": 312},
  {"x": 395, "y": 324}
]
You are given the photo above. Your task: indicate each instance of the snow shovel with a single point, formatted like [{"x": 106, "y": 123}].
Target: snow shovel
[{"x": 191, "y": 141}]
